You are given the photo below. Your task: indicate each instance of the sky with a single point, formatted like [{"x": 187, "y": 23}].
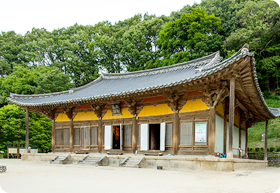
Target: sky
[{"x": 22, "y": 15}]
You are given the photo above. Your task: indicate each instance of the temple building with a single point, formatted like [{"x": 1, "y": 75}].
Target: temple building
[{"x": 200, "y": 107}]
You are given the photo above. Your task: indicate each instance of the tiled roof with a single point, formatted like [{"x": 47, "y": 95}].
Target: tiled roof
[{"x": 108, "y": 85}]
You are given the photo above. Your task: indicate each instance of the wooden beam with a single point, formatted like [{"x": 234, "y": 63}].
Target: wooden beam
[
  {"x": 265, "y": 141},
  {"x": 27, "y": 130},
  {"x": 231, "y": 115}
]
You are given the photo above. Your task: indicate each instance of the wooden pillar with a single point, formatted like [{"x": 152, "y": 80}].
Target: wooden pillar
[
  {"x": 100, "y": 135},
  {"x": 7, "y": 152},
  {"x": 225, "y": 130},
  {"x": 71, "y": 135},
  {"x": 27, "y": 130},
  {"x": 212, "y": 125},
  {"x": 265, "y": 141},
  {"x": 53, "y": 135},
  {"x": 246, "y": 139},
  {"x": 175, "y": 133},
  {"x": 134, "y": 134},
  {"x": 240, "y": 139},
  {"x": 231, "y": 115}
]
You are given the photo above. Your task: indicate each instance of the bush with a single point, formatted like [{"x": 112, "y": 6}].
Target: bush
[
  {"x": 251, "y": 149},
  {"x": 257, "y": 149},
  {"x": 272, "y": 149},
  {"x": 262, "y": 149},
  {"x": 278, "y": 149}
]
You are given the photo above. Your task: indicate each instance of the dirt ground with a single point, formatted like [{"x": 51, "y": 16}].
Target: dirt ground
[{"x": 29, "y": 177}]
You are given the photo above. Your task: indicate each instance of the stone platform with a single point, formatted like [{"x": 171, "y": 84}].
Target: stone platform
[{"x": 167, "y": 162}]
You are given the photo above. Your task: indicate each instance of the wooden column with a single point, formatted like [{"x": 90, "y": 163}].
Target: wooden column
[
  {"x": 246, "y": 147},
  {"x": 231, "y": 115},
  {"x": 225, "y": 129},
  {"x": 240, "y": 139},
  {"x": 211, "y": 135},
  {"x": 100, "y": 135},
  {"x": 53, "y": 135},
  {"x": 134, "y": 134},
  {"x": 175, "y": 133},
  {"x": 265, "y": 141},
  {"x": 27, "y": 130},
  {"x": 71, "y": 135}
]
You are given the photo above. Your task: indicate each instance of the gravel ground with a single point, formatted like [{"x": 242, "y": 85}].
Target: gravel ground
[{"x": 29, "y": 177}]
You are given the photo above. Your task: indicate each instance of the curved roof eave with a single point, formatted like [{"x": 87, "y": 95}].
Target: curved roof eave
[{"x": 213, "y": 66}]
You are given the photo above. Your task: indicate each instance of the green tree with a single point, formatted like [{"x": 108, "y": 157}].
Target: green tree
[
  {"x": 192, "y": 36},
  {"x": 5, "y": 68},
  {"x": 12, "y": 129},
  {"x": 260, "y": 28},
  {"x": 11, "y": 51},
  {"x": 38, "y": 80},
  {"x": 140, "y": 49}
]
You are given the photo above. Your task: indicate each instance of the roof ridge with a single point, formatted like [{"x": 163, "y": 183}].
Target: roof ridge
[{"x": 159, "y": 69}]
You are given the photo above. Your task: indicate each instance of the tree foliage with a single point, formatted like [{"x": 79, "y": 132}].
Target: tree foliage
[
  {"x": 260, "y": 28},
  {"x": 192, "y": 36},
  {"x": 37, "y": 80},
  {"x": 12, "y": 129}
]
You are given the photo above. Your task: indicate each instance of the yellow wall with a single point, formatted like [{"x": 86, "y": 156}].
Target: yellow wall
[
  {"x": 236, "y": 118},
  {"x": 152, "y": 110},
  {"x": 196, "y": 105},
  {"x": 220, "y": 109},
  {"x": 62, "y": 117},
  {"x": 83, "y": 116},
  {"x": 125, "y": 114}
]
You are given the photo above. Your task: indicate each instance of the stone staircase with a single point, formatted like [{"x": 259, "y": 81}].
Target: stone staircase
[
  {"x": 133, "y": 162},
  {"x": 61, "y": 160},
  {"x": 98, "y": 161}
]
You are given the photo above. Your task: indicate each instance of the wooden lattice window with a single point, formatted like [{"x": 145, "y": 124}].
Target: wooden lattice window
[
  {"x": 168, "y": 134},
  {"x": 186, "y": 133},
  {"x": 127, "y": 134},
  {"x": 62, "y": 137},
  {"x": 66, "y": 137},
  {"x": 58, "y": 137},
  {"x": 93, "y": 135},
  {"x": 77, "y": 136}
]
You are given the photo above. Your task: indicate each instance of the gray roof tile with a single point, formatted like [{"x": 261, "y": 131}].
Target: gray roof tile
[{"x": 132, "y": 82}]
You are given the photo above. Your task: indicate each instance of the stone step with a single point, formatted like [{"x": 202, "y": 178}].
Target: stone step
[
  {"x": 129, "y": 165},
  {"x": 90, "y": 160}
]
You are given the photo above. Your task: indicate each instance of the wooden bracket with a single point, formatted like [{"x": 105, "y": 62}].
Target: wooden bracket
[
  {"x": 215, "y": 97},
  {"x": 175, "y": 100},
  {"x": 69, "y": 111},
  {"x": 98, "y": 109},
  {"x": 49, "y": 113},
  {"x": 133, "y": 106}
]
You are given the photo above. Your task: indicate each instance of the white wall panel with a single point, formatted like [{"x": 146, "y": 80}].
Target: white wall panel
[
  {"x": 243, "y": 141},
  {"x": 235, "y": 143},
  {"x": 219, "y": 134}
]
